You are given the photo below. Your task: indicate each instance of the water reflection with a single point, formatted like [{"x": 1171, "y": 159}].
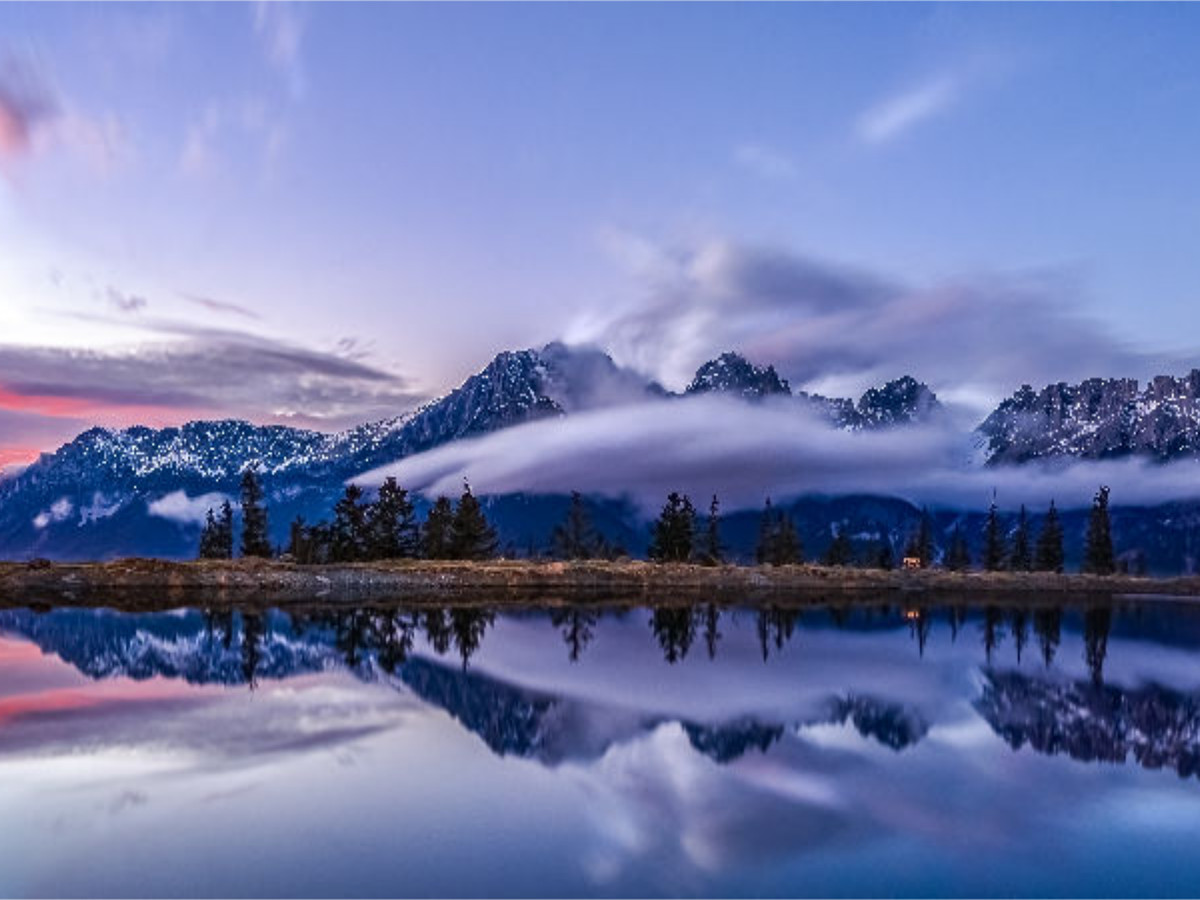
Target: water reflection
[{"x": 754, "y": 736}]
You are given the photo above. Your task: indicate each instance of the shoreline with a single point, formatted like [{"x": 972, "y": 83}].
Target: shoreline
[{"x": 416, "y": 582}]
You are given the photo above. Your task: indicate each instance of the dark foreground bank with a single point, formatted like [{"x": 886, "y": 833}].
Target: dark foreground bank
[{"x": 157, "y": 582}]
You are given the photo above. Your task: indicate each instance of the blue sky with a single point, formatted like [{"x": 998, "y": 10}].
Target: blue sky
[{"x": 379, "y": 197}]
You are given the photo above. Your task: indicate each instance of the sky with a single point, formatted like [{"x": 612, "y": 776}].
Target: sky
[{"x": 324, "y": 214}]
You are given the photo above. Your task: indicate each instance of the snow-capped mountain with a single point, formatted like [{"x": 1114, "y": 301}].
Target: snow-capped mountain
[
  {"x": 731, "y": 373},
  {"x": 1097, "y": 419}
]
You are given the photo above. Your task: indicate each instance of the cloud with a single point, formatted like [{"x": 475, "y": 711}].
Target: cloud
[
  {"x": 59, "y": 511},
  {"x": 764, "y": 161},
  {"x": 219, "y": 306},
  {"x": 279, "y": 28},
  {"x": 821, "y": 322},
  {"x": 743, "y": 452},
  {"x": 202, "y": 371},
  {"x": 26, "y": 103},
  {"x": 177, "y": 506},
  {"x": 898, "y": 114},
  {"x": 126, "y": 303}
]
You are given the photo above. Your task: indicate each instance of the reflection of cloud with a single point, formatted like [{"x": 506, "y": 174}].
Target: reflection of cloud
[
  {"x": 280, "y": 29},
  {"x": 764, "y": 161},
  {"x": 706, "y": 445},
  {"x": 899, "y": 113}
]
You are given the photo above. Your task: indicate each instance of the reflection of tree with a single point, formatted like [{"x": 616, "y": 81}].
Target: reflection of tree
[
  {"x": 576, "y": 624},
  {"x": 219, "y": 620},
  {"x": 1047, "y": 625},
  {"x": 1019, "y": 622},
  {"x": 252, "y": 635},
  {"x": 993, "y": 630},
  {"x": 468, "y": 624},
  {"x": 919, "y": 623},
  {"x": 395, "y": 631},
  {"x": 437, "y": 630},
  {"x": 775, "y": 625},
  {"x": 675, "y": 629},
  {"x": 712, "y": 629},
  {"x": 957, "y": 617},
  {"x": 1097, "y": 622}
]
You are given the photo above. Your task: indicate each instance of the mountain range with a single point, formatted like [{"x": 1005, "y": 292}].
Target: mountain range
[{"x": 142, "y": 491}]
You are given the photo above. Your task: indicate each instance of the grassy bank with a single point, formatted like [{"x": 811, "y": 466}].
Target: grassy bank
[{"x": 154, "y": 582}]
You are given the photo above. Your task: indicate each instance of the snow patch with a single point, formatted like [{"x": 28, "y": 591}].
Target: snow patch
[{"x": 101, "y": 507}]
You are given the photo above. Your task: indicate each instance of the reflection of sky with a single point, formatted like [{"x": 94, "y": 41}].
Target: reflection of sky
[{"x": 326, "y": 784}]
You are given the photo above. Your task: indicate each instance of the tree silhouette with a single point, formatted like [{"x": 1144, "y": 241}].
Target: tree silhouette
[
  {"x": 778, "y": 543},
  {"x": 673, "y": 533},
  {"x": 471, "y": 537},
  {"x": 958, "y": 555},
  {"x": 1098, "y": 556},
  {"x": 255, "y": 541},
  {"x": 437, "y": 630},
  {"x": 919, "y": 624},
  {"x": 775, "y": 625},
  {"x": 1048, "y": 556},
  {"x": 439, "y": 530},
  {"x": 712, "y": 628},
  {"x": 1019, "y": 623},
  {"x": 714, "y": 553},
  {"x": 993, "y": 542},
  {"x": 884, "y": 557},
  {"x": 391, "y": 524},
  {"x": 252, "y": 635},
  {"x": 574, "y": 537},
  {"x": 993, "y": 630},
  {"x": 840, "y": 551},
  {"x": 468, "y": 625},
  {"x": 350, "y": 536},
  {"x": 920, "y": 544},
  {"x": 224, "y": 534},
  {"x": 208, "y": 538},
  {"x": 395, "y": 639},
  {"x": 1021, "y": 559}
]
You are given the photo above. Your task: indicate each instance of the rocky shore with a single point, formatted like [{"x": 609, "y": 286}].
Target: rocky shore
[{"x": 143, "y": 582}]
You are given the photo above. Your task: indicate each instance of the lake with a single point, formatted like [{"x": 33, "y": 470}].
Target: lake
[{"x": 686, "y": 750}]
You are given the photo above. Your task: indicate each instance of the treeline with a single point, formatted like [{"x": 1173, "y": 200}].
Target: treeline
[{"x": 387, "y": 527}]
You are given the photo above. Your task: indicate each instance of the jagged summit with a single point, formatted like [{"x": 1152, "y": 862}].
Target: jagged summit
[
  {"x": 732, "y": 373},
  {"x": 900, "y": 401},
  {"x": 1097, "y": 419}
]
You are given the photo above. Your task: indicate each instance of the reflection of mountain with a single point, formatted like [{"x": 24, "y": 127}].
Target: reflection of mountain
[
  {"x": 892, "y": 724},
  {"x": 725, "y": 743},
  {"x": 1159, "y": 727}
]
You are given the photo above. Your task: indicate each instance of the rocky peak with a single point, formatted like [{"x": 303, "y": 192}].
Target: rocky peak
[
  {"x": 731, "y": 373},
  {"x": 898, "y": 402}
]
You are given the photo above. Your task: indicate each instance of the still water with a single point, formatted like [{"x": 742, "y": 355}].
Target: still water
[{"x": 691, "y": 750}]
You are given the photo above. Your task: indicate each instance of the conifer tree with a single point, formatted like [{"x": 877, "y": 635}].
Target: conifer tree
[
  {"x": 471, "y": 537},
  {"x": 255, "y": 541},
  {"x": 350, "y": 535},
  {"x": 224, "y": 537},
  {"x": 1048, "y": 555},
  {"x": 1022, "y": 555},
  {"x": 993, "y": 542},
  {"x": 391, "y": 524},
  {"x": 438, "y": 530},
  {"x": 958, "y": 556},
  {"x": 840, "y": 551},
  {"x": 674, "y": 530},
  {"x": 885, "y": 557},
  {"x": 778, "y": 542},
  {"x": 766, "y": 533},
  {"x": 1098, "y": 556},
  {"x": 713, "y": 552},
  {"x": 208, "y": 537},
  {"x": 574, "y": 537}
]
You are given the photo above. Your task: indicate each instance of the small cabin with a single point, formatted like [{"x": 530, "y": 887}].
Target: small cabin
[{"x": 912, "y": 562}]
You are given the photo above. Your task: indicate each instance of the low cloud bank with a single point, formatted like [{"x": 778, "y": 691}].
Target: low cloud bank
[
  {"x": 177, "y": 506},
  {"x": 743, "y": 453}
]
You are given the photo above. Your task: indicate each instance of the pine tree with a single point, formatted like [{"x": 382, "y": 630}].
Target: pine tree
[
  {"x": 1099, "y": 558},
  {"x": 391, "y": 524},
  {"x": 350, "y": 535},
  {"x": 958, "y": 556},
  {"x": 224, "y": 537},
  {"x": 574, "y": 537},
  {"x": 1022, "y": 556},
  {"x": 674, "y": 531},
  {"x": 436, "y": 536},
  {"x": 778, "y": 542},
  {"x": 208, "y": 537},
  {"x": 993, "y": 542},
  {"x": 1048, "y": 556},
  {"x": 255, "y": 541},
  {"x": 713, "y": 554},
  {"x": 924, "y": 546},
  {"x": 885, "y": 557},
  {"x": 840, "y": 551},
  {"x": 471, "y": 537}
]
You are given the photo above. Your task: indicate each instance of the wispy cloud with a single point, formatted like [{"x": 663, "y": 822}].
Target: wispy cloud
[
  {"x": 764, "y": 161},
  {"x": 219, "y": 306},
  {"x": 898, "y": 114},
  {"x": 26, "y": 103},
  {"x": 123, "y": 302},
  {"x": 279, "y": 27}
]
